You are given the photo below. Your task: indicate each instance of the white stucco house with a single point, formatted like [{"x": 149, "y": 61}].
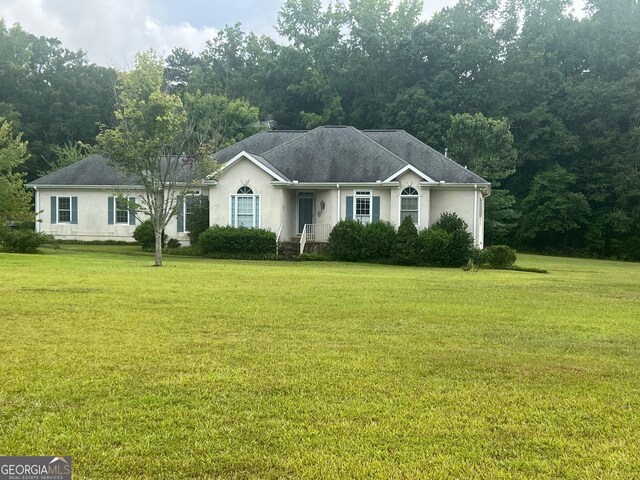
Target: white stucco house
[{"x": 290, "y": 182}]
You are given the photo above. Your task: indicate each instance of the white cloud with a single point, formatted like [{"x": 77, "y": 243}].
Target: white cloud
[{"x": 110, "y": 31}]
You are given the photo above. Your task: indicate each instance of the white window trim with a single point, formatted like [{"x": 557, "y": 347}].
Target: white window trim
[
  {"x": 233, "y": 218},
  {"x": 363, "y": 194},
  {"x": 419, "y": 197},
  {"x": 58, "y": 209}
]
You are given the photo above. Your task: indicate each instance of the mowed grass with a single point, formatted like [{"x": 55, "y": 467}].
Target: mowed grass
[{"x": 229, "y": 369}]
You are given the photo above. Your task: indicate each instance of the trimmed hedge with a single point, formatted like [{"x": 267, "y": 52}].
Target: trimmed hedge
[
  {"x": 378, "y": 239},
  {"x": 499, "y": 256},
  {"x": 241, "y": 242},
  {"x": 23, "y": 241},
  {"x": 460, "y": 244},
  {"x": 434, "y": 247},
  {"x": 145, "y": 235},
  {"x": 345, "y": 241}
]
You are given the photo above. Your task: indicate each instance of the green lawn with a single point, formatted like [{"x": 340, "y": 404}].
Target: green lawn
[{"x": 207, "y": 369}]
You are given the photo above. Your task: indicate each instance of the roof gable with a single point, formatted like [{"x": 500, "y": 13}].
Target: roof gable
[
  {"x": 427, "y": 160},
  {"x": 258, "y": 161},
  {"x": 334, "y": 154}
]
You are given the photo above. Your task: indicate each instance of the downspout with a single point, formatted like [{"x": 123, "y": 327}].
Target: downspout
[
  {"x": 37, "y": 209},
  {"x": 484, "y": 215},
  {"x": 339, "y": 203},
  {"x": 475, "y": 215}
]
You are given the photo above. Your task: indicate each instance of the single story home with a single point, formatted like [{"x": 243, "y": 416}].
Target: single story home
[{"x": 296, "y": 183}]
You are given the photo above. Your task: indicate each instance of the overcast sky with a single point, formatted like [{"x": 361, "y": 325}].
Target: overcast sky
[{"x": 112, "y": 31}]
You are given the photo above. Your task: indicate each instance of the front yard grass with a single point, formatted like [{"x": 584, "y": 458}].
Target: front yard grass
[{"x": 231, "y": 369}]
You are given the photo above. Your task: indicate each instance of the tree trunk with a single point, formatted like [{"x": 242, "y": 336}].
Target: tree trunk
[{"x": 158, "y": 257}]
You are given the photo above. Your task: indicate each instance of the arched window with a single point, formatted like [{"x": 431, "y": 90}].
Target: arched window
[
  {"x": 410, "y": 205},
  {"x": 244, "y": 208}
]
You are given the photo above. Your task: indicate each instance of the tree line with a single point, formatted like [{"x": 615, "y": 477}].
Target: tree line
[{"x": 543, "y": 104}]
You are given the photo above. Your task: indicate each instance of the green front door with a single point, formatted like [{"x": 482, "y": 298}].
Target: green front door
[{"x": 305, "y": 212}]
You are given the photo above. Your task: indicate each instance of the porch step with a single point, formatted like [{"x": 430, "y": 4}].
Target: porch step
[{"x": 289, "y": 250}]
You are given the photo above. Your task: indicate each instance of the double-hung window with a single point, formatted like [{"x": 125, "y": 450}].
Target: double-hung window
[
  {"x": 410, "y": 205},
  {"x": 122, "y": 210},
  {"x": 245, "y": 208},
  {"x": 362, "y": 206},
  {"x": 192, "y": 203},
  {"x": 64, "y": 209}
]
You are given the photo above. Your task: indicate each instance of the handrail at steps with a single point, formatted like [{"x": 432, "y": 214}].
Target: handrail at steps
[
  {"x": 278, "y": 239},
  {"x": 303, "y": 238},
  {"x": 312, "y": 232}
]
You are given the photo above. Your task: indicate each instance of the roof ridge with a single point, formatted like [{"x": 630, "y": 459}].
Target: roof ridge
[
  {"x": 306, "y": 132},
  {"x": 361, "y": 132},
  {"x": 235, "y": 143}
]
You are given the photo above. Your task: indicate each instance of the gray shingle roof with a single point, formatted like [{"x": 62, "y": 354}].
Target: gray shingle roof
[
  {"x": 429, "y": 161},
  {"x": 93, "y": 170},
  {"x": 259, "y": 143},
  {"x": 323, "y": 155},
  {"x": 344, "y": 154}
]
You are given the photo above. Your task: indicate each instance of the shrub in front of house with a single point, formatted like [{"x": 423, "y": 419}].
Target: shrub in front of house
[
  {"x": 23, "y": 241},
  {"x": 405, "y": 249},
  {"x": 499, "y": 256},
  {"x": 434, "y": 245},
  {"x": 378, "y": 239},
  {"x": 460, "y": 247},
  {"x": 173, "y": 243},
  {"x": 145, "y": 235},
  {"x": 345, "y": 241},
  {"x": 241, "y": 242}
]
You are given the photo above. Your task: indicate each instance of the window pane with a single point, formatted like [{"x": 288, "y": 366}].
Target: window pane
[
  {"x": 410, "y": 203},
  {"x": 122, "y": 210},
  {"x": 244, "y": 211},
  {"x": 64, "y": 209},
  {"x": 363, "y": 206}
]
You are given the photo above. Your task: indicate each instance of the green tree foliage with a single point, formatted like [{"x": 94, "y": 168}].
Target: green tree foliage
[
  {"x": 553, "y": 210},
  {"x": 485, "y": 146},
  {"x": 163, "y": 142},
  {"x": 567, "y": 87},
  {"x": 15, "y": 201},
  {"x": 68, "y": 154},
  {"x": 57, "y": 95}
]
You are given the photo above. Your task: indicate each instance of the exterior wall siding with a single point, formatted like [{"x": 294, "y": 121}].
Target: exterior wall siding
[{"x": 273, "y": 209}]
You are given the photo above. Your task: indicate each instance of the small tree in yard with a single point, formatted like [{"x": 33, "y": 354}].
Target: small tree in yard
[{"x": 162, "y": 142}]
